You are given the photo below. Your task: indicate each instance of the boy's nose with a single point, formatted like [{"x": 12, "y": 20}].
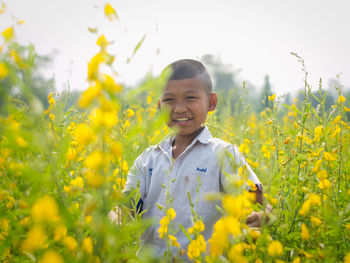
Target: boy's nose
[{"x": 180, "y": 108}]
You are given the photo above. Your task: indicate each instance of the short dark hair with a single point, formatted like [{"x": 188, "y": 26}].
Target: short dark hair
[{"x": 188, "y": 69}]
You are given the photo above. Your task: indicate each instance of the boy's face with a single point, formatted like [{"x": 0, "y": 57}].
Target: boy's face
[{"x": 188, "y": 103}]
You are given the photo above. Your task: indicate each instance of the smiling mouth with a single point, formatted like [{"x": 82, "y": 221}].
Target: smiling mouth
[{"x": 182, "y": 120}]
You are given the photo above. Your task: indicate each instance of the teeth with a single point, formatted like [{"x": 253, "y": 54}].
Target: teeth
[{"x": 182, "y": 119}]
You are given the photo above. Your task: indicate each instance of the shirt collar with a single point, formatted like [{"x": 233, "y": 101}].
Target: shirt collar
[{"x": 203, "y": 137}]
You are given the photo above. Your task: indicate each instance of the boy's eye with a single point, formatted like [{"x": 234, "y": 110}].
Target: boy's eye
[
  {"x": 191, "y": 97},
  {"x": 167, "y": 100}
]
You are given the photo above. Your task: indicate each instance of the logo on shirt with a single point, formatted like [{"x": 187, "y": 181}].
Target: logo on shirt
[
  {"x": 204, "y": 170},
  {"x": 150, "y": 170}
]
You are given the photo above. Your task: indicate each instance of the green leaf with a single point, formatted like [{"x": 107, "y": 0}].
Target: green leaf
[
  {"x": 185, "y": 232},
  {"x": 136, "y": 48}
]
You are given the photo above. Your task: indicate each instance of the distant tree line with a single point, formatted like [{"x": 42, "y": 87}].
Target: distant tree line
[{"x": 30, "y": 85}]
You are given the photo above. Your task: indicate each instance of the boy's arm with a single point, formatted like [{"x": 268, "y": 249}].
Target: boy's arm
[
  {"x": 115, "y": 215},
  {"x": 255, "y": 219},
  {"x": 135, "y": 180}
]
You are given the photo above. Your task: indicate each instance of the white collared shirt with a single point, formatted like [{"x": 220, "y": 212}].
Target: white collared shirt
[{"x": 200, "y": 160}]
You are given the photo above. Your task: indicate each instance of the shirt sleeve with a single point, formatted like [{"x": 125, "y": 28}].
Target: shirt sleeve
[
  {"x": 232, "y": 161},
  {"x": 136, "y": 177}
]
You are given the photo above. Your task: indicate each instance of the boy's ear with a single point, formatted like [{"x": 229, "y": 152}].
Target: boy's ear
[
  {"x": 213, "y": 100},
  {"x": 159, "y": 105}
]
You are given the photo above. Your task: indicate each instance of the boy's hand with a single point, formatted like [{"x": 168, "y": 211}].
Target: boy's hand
[
  {"x": 115, "y": 215},
  {"x": 255, "y": 218}
]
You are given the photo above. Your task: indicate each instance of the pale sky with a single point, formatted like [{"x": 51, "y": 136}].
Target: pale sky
[{"x": 254, "y": 36}]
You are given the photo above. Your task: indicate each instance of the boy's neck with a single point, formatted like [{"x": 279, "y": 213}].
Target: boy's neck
[{"x": 181, "y": 142}]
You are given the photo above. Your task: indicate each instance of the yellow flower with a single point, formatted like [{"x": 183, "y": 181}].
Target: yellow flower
[
  {"x": 89, "y": 94},
  {"x": 94, "y": 180},
  {"x": 17, "y": 59},
  {"x": 318, "y": 132},
  {"x": 296, "y": 260},
  {"x": 52, "y": 116},
  {"x": 51, "y": 257},
  {"x": 110, "y": 13},
  {"x": 151, "y": 111},
  {"x": 70, "y": 243},
  {"x": 60, "y": 232},
  {"x": 104, "y": 118},
  {"x": 4, "y": 227},
  {"x": 305, "y": 234},
  {"x": 341, "y": 99},
  {"x": 3, "y": 71},
  {"x": 36, "y": 239},
  {"x": 322, "y": 174},
  {"x": 337, "y": 119},
  {"x": 94, "y": 160},
  {"x": 317, "y": 166},
  {"x": 102, "y": 42},
  {"x": 315, "y": 220},
  {"x": 336, "y": 131},
  {"x": 8, "y": 33},
  {"x": 88, "y": 219},
  {"x": 77, "y": 183},
  {"x": 254, "y": 234},
  {"x": 251, "y": 185},
  {"x": 272, "y": 97},
  {"x": 307, "y": 255},
  {"x": 328, "y": 156},
  {"x": 219, "y": 239},
  {"x": 171, "y": 213},
  {"x": 196, "y": 246},
  {"x": 174, "y": 241},
  {"x": 314, "y": 199},
  {"x": 347, "y": 258},
  {"x": 295, "y": 125},
  {"x": 238, "y": 207},
  {"x": 71, "y": 154},
  {"x": 163, "y": 229},
  {"x": 324, "y": 184},
  {"x": 244, "y": 148},
  {"x": 275, "y": 249},
  {"x": 252, "y": 164},
  {"x": 164, "y": 222},
  {"x": 10, "y": 203},
  {"x": 83, "y": 134},
  {"x": 117, "y": 149},
  {"x": 129, "y": 113},
  {"x": 265, "y": 151},
  {"x": 236, "y": 253},
  {"x": 126, "y": 124},
  {"x": 21, "y": 142},
  {"x": 197, "y": 227},
  {"x": 45, "y": 209},
  {"x": 25, "y": 221},
  {"x": 269, "y": 122},
  {"x": 87, "y": 246},
  {"x": 110, "y": 85},
  {"x": 233, "y": 226},
  {"x": 124, "y": 166}
]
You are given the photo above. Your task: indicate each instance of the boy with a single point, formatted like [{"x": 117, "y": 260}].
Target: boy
[{"x": 177, "y": 162}]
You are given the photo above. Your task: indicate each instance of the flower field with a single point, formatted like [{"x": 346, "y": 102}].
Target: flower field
[{"x": 63, "y": 168}]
